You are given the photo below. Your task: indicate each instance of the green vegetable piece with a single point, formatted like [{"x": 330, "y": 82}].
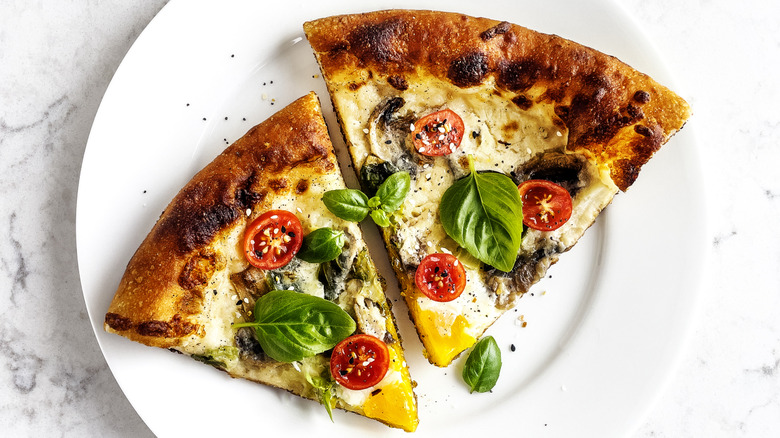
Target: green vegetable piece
[
  {"x": 393, "y": 191},
  {"x": 322, "y": 245},
  {"x": 218, "y": 357},
  {"x": 362, "y": 266},
  {"x": 380, "y": 217},
  {"x": 374, "y": 174},
  {"x": 483, "y": 365},
  {"x": 324, "y": 386},
  {"x": 483, "y": 213},
  {"x": 348, "y": 204},
  {"x": 291, "y": 326}
]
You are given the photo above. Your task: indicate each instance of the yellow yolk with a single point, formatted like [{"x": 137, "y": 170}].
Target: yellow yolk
[
  {"x": 394, "y": 404},
  {"x": 443, "y": 345}
]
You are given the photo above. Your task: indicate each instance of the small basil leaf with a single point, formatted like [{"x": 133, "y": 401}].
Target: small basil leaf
[
  {"x": 321, "y": 245},
  {"x": 291, "y": 326},
  {"x": 374, "y": 202},
  {"x": 483, "y": 365},
  {"x": 393, "y": 191},
  {"x": 348, "y": 204},
  {"x": 380, "y": 218},
  {"x": 482, "y": 212}
]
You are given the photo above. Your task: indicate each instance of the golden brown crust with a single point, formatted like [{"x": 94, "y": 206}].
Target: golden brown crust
[
  {"x": 617, "y": 114},
  {"x": 162, "y": 290}
]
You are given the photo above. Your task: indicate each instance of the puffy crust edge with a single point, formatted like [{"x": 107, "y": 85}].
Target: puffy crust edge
[
  {"x": 617, "y": 115},
  {"x": 160, "y": 298}
]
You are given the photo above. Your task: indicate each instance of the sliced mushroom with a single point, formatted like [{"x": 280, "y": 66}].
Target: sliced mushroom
[
  {"x": 388, "y": 131},
  {"x": 567, "y": 169}
]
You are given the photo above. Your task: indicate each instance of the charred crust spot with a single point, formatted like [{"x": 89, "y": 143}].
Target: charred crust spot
[
  {"x": 498, "y": 29},
  {"x": 398, "y": 82},
  {"x": 175, "y": 328},
  {"x": 340, "y": 46},
  {"x": 377, "y": 41},
  {"x": 468, "y": 70},
  {"x": 643, "y": 130},
  {"x": 562, "y": 111},
  {"x": 118, "y": 323},
  {"x": 634, "y": 112},
  {"x": 246, "y": 198},
  {"x": 354, "y": 86},
  {"x": 198, "y": 231},
  {"x": 302, "y": 186},
  {"x": 198, "y": 270},
  {"x": 522, "y": 102},
  {"x": 519, "y": 75},
  {"x": 642, "y": 96}
]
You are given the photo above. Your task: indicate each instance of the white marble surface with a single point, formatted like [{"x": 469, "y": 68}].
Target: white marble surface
[{"x": 57, "y": 58}]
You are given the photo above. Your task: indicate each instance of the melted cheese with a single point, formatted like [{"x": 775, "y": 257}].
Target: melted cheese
[
  {"x": 501, "y": 137},
  {"x": 222, "y": 310}
]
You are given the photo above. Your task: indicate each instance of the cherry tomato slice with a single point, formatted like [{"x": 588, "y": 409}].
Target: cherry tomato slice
[
  {"x": 546, "y": 205},
  {"x": 438, "y": 133},
  {"x": 273, "y": 239},
  {"x": 359, "y": 362},
  {"x": 441, "y": 277}
]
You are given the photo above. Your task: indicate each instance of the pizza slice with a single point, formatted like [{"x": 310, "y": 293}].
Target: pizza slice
[
  {"x": 247, "y": 271},
  {"x": 474, "y": 109}
]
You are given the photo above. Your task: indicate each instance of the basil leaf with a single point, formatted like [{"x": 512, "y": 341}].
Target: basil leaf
[
  {"x": 393, "y": 190},
  {"x": 483, "y": 213},
  {"x": 348, "y": 204},
  {"x": 483, "y": 365},
  {"x": 380, "y": 218},
  {"x": 291, "y": 326},
  {"x": 321, "y": 245}
]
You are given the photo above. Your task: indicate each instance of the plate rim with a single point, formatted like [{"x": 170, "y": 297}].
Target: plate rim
[{"x": 169, "y": 9}]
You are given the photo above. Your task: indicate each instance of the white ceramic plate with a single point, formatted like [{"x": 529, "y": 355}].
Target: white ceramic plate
[{"x": 603, "y": 332}]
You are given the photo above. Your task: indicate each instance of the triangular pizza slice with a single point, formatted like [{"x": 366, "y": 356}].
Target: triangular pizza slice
[
  {"x": 246, "y": 270},
  {"x": 473, "y": 109}
]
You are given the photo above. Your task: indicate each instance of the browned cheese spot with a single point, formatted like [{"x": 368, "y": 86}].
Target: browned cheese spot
[
  {"x": 398, "y": 82},
  {"x": 302, "y": 186},
  {"x": 522, "y": 102}
]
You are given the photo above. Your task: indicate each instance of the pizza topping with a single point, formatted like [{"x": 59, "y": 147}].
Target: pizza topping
[
  {"x": 322, "y": 245},
  {"x": 441, "y": 277},
  {"x": 479, "y": 212},
  {"x": 483, "y": 365},
  {"x": 291, "y": 326},
  {"x": 546, "y": 205},
  {"x": 359, "y": 362},
  {"x": 374, "y": 172},
  {"x": 354, "y": 205},
  {"x": 438, "y": 133},
  {"x": 273, "y": 239}
]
